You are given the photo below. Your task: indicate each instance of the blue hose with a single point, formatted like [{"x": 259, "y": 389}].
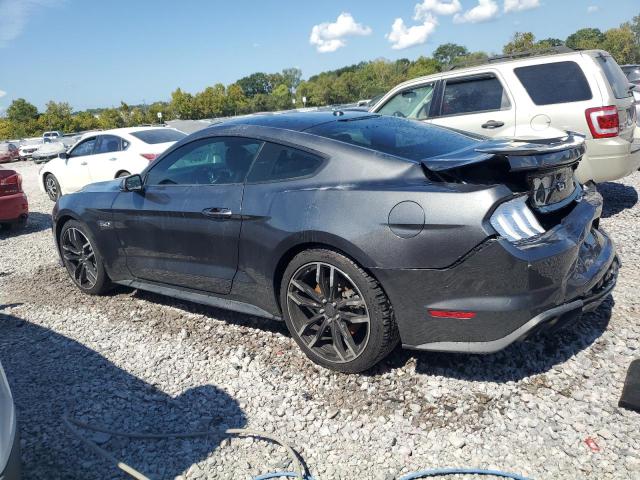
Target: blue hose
[{"x": 439, "y": 472}]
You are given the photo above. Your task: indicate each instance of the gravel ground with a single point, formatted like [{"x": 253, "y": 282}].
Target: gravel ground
[{"x": 135, "y": 361}]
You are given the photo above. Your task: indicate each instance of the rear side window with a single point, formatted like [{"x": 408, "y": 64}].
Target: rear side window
[
  {"x": 396, "y": 136},
  {"x": 552, "y": 83},
  {"x": 108, "y": 144},
  {"x": 411, "y": 103},
  {"x": 615, "y": 76},
  {"x": 159, "y": 135},
  {"x": 277, "y": 162},
  {"x": 473, "y": 94}
]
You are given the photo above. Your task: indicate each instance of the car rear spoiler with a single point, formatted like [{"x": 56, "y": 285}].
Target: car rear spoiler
[{"x": 522, "y": 154}]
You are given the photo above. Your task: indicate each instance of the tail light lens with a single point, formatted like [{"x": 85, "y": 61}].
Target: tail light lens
[
  {"x": 603, "y": 121},
  {"x": 515, "y": 221},
  {"x": 10, "y": 184},
  {"x": 150, "y": 156}
]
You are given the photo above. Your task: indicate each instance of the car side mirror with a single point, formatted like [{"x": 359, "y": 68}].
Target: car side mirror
[
  {"x": 132, "y": 183},
  {"x": 63, "y": 155}
]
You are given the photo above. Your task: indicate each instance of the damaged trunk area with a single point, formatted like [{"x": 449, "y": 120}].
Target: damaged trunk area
[{"x": 540, "y": 170}]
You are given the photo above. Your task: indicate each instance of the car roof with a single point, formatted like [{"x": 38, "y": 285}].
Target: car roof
[
  {"x": 291, "y": 120},
  {"x": 122, "y": 131},
  {"x": 496, "y": 65}
]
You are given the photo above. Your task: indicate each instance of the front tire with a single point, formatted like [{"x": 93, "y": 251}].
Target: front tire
[
  {"x": 52, "y": 187},
  {"x": 82, "y": 259},
  {"x": 336, "y": 312}
]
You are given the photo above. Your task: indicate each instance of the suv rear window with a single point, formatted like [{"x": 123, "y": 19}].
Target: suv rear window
[
  {"x": 552, "y": 83},
  {"x": 403, "y": 138},
  {"x": 615, "y": 76},
  {"x": 159, "y": 135}
]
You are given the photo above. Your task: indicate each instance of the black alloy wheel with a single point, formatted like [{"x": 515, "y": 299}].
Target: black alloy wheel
[
  {"x": 79, "y": 258},
  {"x": 328, "y": 312},
  {"x": 336, "y": 312}
]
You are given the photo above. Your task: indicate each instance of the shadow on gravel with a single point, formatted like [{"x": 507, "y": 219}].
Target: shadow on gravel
[
  {"x": 51, "y": 374},
  {"x": 617, "y": 197},
  {"x": 35, "y": 223},
  {"x": 533, "y": 356}
]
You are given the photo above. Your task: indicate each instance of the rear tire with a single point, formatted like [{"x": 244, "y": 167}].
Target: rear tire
[
  {"x": 336, "y": 312},
  {"x": 52, "y": 187},
  {"x": 82, "y": 259}
]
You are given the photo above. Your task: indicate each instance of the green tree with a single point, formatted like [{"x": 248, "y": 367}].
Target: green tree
[
  {"x": 236, "y": 100},
  {"x": 448, "y": 52},
  {"x": 256, "y": 83},
  {"x": 521, "y": 42},
  {"x": 291, "y": 78},
  {"x": 110, "y": 118},
  {"x": 210, "y": 103},
  {"x": 620, "y": 43},
  {"x": 84, "y": 121},
  {"x": 21, "y": 111},
  {"x": 423, "y": 66},
  {"x": 550, "y": 42},
  {"x": 585, "y": 39},
  {"x": 57, "y": 116},
  {"x": 281, "y": 97},
  {"x": 182, "y": 105}
]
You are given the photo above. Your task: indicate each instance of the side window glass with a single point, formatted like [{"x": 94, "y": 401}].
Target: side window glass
[
  {"x": 475, "y": 94},
  {"x": 277, "y": 162},
  {"x": 413, "y": 103},
  {"x": 108, "y": 144},
  {"x": 84, "y": 148},
  {"x": 210, "y": 161}
]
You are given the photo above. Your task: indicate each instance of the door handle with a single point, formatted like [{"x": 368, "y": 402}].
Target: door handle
[
  {"x": 491, "y": 124},
  {"x": 217, "y": 212},
  {"x": 83, "y": 163},
  {"x": 113, "y": 159}
]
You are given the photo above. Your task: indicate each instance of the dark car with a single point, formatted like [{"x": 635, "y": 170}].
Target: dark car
[
  {"x": 358, "y": 230},
  {"x": 8, "y": 153}
]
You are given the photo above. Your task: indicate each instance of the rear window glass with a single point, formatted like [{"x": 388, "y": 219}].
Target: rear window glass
[
  {"x": 473, "y": 94},
  {"x": 615, "y": 76},
  {"x": 4, "y": 148},
  {"x": 404, "y": 138},
  {"x": 160, "y": 135},
  {"x": 277, "y": 162},
  {"x": 551, "y": 83}
]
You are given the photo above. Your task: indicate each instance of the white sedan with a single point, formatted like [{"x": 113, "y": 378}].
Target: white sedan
[{"x": 105, "y": 155}]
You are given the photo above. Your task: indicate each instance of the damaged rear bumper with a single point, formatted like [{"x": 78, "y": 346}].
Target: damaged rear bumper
[{"x": 513, "y": 289}]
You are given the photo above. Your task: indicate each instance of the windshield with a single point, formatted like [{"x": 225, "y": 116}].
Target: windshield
[
  {"x": 403, "y": 138},
  {"x": 159, "y": 135}
]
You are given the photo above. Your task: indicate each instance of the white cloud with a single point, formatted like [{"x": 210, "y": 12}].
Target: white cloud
[
  {"x": 329, "y": 37},
  {"x": 485, "y": 10},
  {"x": 14, "y": 15},
  {"x": 2, "y": 93},
  {"x": 437, "y": 7},
  {"x": 520, "y": 5},
  {"x": 592, "y": 8},
  {"x": 402, "y": 36}
]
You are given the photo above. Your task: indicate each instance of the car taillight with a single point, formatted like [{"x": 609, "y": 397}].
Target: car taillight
[
  {"x": 150, "y": 156},
  {"x": 603, "y": 121},
  {"x": 11, "y": 184}
]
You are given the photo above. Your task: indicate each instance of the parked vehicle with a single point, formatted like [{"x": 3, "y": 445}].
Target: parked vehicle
[
  {"x": 52, "y": 136},
  {"x": 525, "y": 97},
  {"x": 14, "y": 207},
  {"x": 105, "y": 155},
  {"x": 633, "y": 75},
  {"x": 357, "y": 229},
  {"x": 48, "y": 151},
  {"x": 9, "y": 438},
  {"x": 8, "y": 153},
  {"x": 27, "y": 148}
]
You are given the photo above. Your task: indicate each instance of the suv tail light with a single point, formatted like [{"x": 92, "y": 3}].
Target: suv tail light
[
  {"x": 10, "y": 184},
  {"x": 150, "y": 156},
  {"x": 603, "y": 121}
]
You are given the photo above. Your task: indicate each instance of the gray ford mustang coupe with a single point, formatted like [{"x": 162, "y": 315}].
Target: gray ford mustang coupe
[{"x": 358, "y": 230}]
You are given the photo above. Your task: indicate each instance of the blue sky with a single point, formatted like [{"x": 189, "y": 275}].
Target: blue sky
[{"x": 94, "y": 53}]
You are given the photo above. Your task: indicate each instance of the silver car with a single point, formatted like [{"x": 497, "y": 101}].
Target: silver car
[{"x": 9, "y": 439}]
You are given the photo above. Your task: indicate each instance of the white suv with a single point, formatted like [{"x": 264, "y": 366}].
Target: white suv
[{"x": 535, "y": 96}]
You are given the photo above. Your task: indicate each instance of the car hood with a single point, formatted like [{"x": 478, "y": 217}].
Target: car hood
[
  {"x": 108, "y": 186},
  {"x": 522, "y": 153}
]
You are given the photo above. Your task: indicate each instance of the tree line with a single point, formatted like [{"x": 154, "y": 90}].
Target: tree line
[{"x": 261, "y": 92}]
